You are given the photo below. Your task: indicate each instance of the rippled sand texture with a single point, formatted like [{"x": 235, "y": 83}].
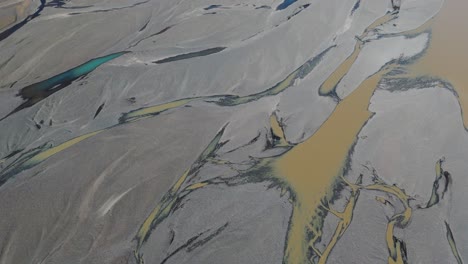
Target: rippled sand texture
[{"x": 288, "y": 131}]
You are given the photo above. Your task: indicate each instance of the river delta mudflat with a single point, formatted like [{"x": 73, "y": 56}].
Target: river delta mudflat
[{"x": 266, "y": 131}]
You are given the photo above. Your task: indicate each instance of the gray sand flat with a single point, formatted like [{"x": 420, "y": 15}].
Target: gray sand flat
[{"x": 149, "y": 131}]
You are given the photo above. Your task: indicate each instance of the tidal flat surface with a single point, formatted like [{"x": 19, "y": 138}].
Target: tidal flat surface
[{"x": 267, "y": 131}]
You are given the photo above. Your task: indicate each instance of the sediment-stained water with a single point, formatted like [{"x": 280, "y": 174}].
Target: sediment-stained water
[
  {"x": 446, "y": 56},
  {"x": 220, "y": 136},
  {"x": 328, "y": 87},
  {"x": 312, "y": 167}
]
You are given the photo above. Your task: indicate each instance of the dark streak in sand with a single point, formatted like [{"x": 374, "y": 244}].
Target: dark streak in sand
[{"x": 190, "y": 55}]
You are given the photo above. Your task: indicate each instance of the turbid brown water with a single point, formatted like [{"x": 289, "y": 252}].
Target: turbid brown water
[
  {"x": 447, "y": 55},
  {"x": 311, "y": 168},
  {"x": 228, "y": 191},
  {"x": 332, "y": 81}
]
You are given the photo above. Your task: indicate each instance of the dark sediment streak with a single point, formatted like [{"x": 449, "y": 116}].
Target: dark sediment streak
[
  {"x": 355, "y": 7},
  {"x": 108, "y": 10},
  {"x": 152, "y": 35},
  {"x": 212, "y": 7},
  {"x": 191, "y": 55},
  {"x": 99, "y": 110},
  {"x": 37, "y": 92},
  {"x": 5, "y": 34},
  {"x": 299, "y": 73}
]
